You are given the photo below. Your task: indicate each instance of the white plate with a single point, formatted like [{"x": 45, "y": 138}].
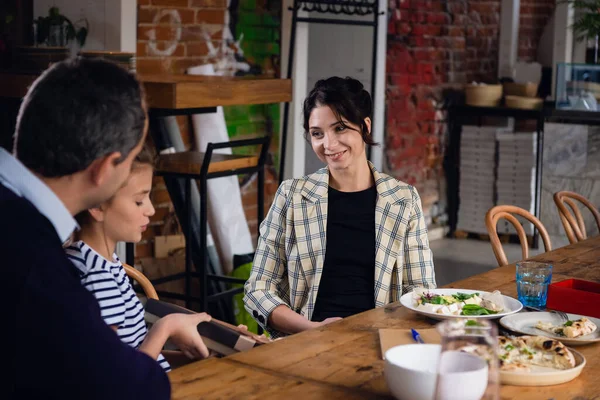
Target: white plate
[
  {"x": 525, "y": 323},
  {"x": 541, "y": 376},
  {"x": 512, "y": 305}
]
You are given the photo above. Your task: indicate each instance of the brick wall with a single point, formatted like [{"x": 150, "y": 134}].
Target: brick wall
[
  {"x": 432, "y": 45},
  {"x": 171, "y": 38},
  {"x": 534, "y": 15}
]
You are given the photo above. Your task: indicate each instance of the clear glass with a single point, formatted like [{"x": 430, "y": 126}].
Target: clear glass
[
  {"x": 468, "y": 368},
  {"x": 578, "y": 86},
  {"x": 533, "y": 279},
  {"x": 57, "y": 37}
]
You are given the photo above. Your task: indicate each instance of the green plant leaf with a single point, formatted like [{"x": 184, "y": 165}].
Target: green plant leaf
[
  {"x": 70, "y": 32},
  {"x": 43, "y": 29},
  {"x": 472, "y": 309},
  {"x": 438, "y": 300},
  {"x": 53, "y": 12},
  {"x": 587, "y": 24},
  {"x": 463, "y": 296},
  {"x": 81, "y": 35}
]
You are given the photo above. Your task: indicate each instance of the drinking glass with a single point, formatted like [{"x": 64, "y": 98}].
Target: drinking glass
[
  {"x": 533, "y": 279},
  {"x": 468, "y": 368},
  {"x": 57, "y": 36}
]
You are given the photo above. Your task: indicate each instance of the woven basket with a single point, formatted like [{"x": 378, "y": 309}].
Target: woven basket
[
  {"x": 526, "y": 103},
  {"x": 483, "y": 95},
  {"x": 528, "y": 89}
]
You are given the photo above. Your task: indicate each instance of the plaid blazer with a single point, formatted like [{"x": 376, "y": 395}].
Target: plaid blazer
[{"x": 289, "y": 257}]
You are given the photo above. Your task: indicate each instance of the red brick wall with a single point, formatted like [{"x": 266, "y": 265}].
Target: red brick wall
[
  {"x": 534, "y": 15},
  {"x": 432, "y": 45},
  {"x": 167, "y": 46},
  {"x": 169, "y": 40}
]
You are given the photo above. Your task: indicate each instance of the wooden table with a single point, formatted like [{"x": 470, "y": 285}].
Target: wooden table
[
  {"x": 194, "y": 91},
  {"x": 343, "y": 360}
]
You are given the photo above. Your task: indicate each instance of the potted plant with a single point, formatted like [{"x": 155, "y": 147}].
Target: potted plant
[
  {"x": 56, "y": 30},
  {"x": 587, "y": 26}
]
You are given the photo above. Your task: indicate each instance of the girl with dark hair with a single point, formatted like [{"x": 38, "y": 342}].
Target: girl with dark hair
[{"x": 343, "y": 240}]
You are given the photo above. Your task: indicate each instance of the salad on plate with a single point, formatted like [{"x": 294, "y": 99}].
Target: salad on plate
[{"x": 458, "y": 303}]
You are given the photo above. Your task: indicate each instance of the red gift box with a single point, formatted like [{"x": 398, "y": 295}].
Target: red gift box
[{"x": 575, "y": 296}]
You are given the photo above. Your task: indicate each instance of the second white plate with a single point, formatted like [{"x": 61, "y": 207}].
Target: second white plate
[
  {"x": 540, "y": 376},
  {"x": 525, "y": 323}
]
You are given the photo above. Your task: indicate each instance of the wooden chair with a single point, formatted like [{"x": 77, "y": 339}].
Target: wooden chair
[
  {"x": 141, "y": 279},
  {"x": 506, "y": 212},
  {"x": 174, "y": 356},
  {"x": 574, "y": 226}
]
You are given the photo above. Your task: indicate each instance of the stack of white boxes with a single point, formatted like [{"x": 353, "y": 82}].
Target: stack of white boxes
[
  {"x": 516, "y": 175},
  {"x": 477, "y": 168}
]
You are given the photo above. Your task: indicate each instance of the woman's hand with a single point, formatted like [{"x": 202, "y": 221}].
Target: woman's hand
[{"x": 285, "y": 320}]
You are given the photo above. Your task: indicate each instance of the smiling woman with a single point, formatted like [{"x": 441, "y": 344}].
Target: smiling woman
[{"x": 343, "y": 240}]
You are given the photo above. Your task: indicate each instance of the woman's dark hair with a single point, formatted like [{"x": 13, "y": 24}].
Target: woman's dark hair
[
  {"x": 347, "y": 98},
  {"x": 78, "y": 111}
]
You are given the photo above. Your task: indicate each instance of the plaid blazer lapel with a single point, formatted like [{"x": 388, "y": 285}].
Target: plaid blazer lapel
[
  {"x": 391, "y": 216},
  {"x": 311, "y": 234}
]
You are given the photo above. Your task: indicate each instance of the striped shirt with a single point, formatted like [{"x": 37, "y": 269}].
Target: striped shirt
[{"x": 119, "y": 304}]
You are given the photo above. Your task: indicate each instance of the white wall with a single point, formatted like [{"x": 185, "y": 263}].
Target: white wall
[
  {"x": 295, "y": 147},
  {"x": 340, "y": 50},
  {"x": 509, "y": 37},
  {"x": 112, "y": 23},
  {"x": 563, "y": 37}
]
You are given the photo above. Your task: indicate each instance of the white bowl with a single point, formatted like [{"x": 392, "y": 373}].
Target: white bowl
[
  {"x": 411, "y": 372},
  {"x": 411, "y": 369}
]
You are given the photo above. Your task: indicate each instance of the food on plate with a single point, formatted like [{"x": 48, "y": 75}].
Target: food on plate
[
  {"x": 519, "y": 354},
  {"x": 458, "y": 303},
  {"x": 534, "y": 350},
  {"x": 569, "y": 329}
]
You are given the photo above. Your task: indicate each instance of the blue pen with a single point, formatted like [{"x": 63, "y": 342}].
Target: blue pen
[{"x": 417, "y": 337}]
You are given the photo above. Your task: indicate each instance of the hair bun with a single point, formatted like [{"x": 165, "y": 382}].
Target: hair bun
[
  {"x": 366, "y": 101},
  {"x": 346, "y": 97},
  {"x": 354, "y": 85}
]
